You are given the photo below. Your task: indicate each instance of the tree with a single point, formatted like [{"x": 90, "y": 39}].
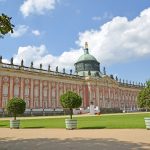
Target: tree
[
  {"x": 5, "y": 25},
  {"x": 71, "y": 100},
  {"x": 143, "y": 98},
  {"x": 16, "y": 106}
]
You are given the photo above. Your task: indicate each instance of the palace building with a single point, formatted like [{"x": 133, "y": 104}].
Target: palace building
[{"x": 41, "y": 89}]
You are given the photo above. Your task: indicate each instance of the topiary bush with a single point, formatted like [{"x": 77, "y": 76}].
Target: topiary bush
[
  {"x": 70, "y": 100},
  {"x": 16, "y": 106}
]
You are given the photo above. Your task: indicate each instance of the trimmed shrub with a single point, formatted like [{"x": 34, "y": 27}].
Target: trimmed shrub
[
  {"x": 16, "y": 106},
  {"x": 70, "y": 100}
]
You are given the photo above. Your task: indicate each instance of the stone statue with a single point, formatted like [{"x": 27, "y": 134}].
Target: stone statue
[
  {"x": 104, "y": 71},
  {"x": 40, "y": 66},
  {"x": 70, "y": 71},
  {"x": 49, "y": 68},
  {"x": 111, "y": 76},
  {"x": 57, "y": 69},
  {"x": 123, "y": 81},
  {"x": 22, "y": 63},
  {"x": 64, "y": 70},
  {"x": 11, "y": 61},
  {"x": 116, "y": 78},
  {"x": 0, "y": 59},
  {"x": 31, "y": 66}
]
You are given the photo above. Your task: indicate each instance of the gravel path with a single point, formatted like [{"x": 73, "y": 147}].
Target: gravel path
[{"x": 81, "y": 139}]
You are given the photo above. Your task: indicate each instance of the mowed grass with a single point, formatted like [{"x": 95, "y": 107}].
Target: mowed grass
[{"x": 122, "y": 121}]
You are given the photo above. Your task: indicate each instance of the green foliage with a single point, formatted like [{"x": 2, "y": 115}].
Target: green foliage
[
  {"x": 5, "y": 25},
  {"x": 144, "y": 97},
  {"x": 70, "y": 100},
  {"x": 16, "y": 106}
]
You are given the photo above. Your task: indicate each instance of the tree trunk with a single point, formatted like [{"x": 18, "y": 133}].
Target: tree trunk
[
  {"x": 14, "y": 116},
  {"x": 71, "y": 112}
]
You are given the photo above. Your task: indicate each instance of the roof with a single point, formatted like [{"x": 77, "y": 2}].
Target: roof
[{"x": 86, "y": 57}]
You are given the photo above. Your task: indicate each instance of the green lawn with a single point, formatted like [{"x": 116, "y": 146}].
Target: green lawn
[{"x": 123, "y": 121}]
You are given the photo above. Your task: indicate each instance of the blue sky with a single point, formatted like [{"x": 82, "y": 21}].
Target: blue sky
[{"x": 54, "y": 32}]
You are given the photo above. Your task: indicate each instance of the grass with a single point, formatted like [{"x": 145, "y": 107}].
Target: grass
[{"x": 122, "y": 121}]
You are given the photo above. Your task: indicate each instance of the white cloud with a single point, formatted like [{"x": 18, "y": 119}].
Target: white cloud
[
  {"x": 36, "y": 32},
  {"x": 36, "y": 6},
  {"x": 6, "y": 61},
  {"x": 120, "y": 40},
  {"x": 117, "y": 41},
  {"x": 20, "y": 31},
  {"x": 40, "y": 55}
]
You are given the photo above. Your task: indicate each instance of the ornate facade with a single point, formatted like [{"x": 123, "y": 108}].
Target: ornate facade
[{"x": 41, "y": 89}]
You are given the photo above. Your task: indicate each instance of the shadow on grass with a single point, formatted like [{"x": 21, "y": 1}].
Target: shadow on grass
[
  {"x": 92, "y": 128},
  {"x": 69, "y": 144},
  {"x": 2, "y": 125},
  {"x": 39, "y": 127}
]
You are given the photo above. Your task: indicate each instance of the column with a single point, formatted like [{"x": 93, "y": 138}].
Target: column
[
  {"x": 11, "y": 88},
  {"x": 97, "y": 96},
  {"x": 31, "y": 91},
  {"x": 86, "y": 96},
  {"x": 57, "y": 94},
  {"x": 22, "y": 88},
  {"x": 49, "y": 94},
  {"x": 41, "y": 93},
  {"x": 0, "y": 91}
]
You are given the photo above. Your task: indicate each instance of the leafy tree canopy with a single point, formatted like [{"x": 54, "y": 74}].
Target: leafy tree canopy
[
  {"x": 5, "y": 25},
  {"x": 71, "y": 100},
  {"x": 144, "y": 97},
  {"x": 16, "y": 106}
]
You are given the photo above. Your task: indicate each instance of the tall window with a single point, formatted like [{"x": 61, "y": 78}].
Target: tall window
[
  {"x": 26, "y": 91},
  {"x": 36, "y": 91},
  {"x": 5, "y": 89},
  {"x": 45, "y": 92},
  {"x": 4, "y": 102},
  {"x": 16, "y": 91},
  {"x": 53, "y": 92}
]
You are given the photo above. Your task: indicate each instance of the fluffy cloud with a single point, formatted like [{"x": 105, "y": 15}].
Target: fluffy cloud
[
  {"x": 40, "y": 55},
  {"x": 36, "y": 6},
  {"x": 36, "y": 32},
  {"x": 120, "y": 40},
  {"x": 117, "y": 41},
  {"x": 20, "y": 31}
]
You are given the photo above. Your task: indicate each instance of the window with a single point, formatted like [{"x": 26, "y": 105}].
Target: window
[
  {"x": 36, "y": 91},
  {"x": 26, "y": 90},
  {"x": 5, "y": 89},
  {"x": 16, "y": 90},
  {"x": 45, "y": 92}
]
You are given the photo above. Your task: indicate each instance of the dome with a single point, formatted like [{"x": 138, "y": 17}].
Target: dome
[
  {"x": 86, "y": 57},
  {"x": 87, "y": 64}
]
